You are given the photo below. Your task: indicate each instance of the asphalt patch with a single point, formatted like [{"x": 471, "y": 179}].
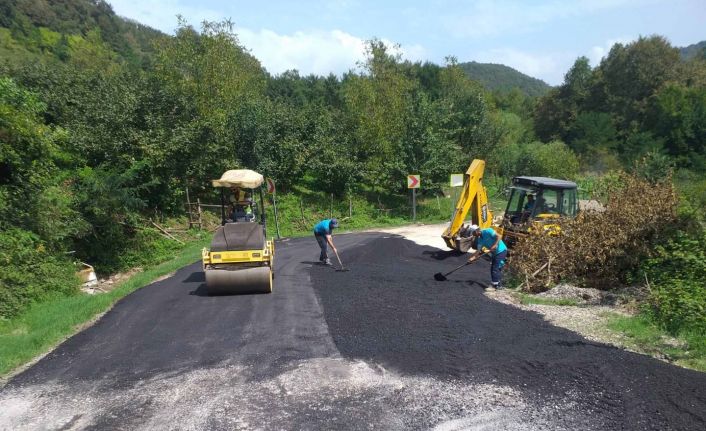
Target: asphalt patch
[{"x": 390, "y": 310}]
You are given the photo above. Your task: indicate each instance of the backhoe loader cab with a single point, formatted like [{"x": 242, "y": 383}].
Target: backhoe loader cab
[{"x": 535, "y": 202}]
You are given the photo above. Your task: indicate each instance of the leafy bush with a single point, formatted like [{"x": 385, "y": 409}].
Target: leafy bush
[
  {"x": 677, "y": 275},
  {"x": 599, "y": 248},
  {"x": 29, "y": 273},
  {"x": 692, "y": 190},
  {"x": 554, "y": 159},
  {"x": 654, "y": 167}
]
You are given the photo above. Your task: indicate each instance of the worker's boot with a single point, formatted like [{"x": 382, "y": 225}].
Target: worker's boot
[
  {"x": 493, "y": 286},
  {"x": 327, "y": 262}
]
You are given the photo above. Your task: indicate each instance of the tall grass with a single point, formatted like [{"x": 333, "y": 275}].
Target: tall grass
[{"x": 644, "y": 335}]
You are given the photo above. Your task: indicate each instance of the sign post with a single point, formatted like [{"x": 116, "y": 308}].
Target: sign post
[
  {"x": 271, "y": 190},
  {"x": 413, "y": 182}
]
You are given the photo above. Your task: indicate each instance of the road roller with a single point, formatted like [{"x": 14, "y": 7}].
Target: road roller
[{"x": 241, "y": 258}]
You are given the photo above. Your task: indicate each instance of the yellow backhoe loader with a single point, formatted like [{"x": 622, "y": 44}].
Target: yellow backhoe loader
[
  {"x": 241, "y": 258},
  {"x": 534, "y": 203}
]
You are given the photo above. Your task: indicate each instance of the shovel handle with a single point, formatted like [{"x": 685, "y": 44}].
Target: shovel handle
[
  {"x": 338, "y": 258},
  {"x": 470, "y": 261},
  {"x": 457, "y": 268}
]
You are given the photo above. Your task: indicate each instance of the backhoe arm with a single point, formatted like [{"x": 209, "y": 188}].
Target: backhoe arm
[{"x": 473, "y": 198}]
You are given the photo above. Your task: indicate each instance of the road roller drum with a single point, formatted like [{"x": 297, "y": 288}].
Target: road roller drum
[{"x": 239, "y": 280}]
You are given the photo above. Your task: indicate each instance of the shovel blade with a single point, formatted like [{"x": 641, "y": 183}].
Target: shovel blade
[{"x": 439, "y": 277}]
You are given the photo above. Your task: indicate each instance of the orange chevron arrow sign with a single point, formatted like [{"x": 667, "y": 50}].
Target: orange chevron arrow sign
[
  {"x": 413, "y": 181},
  {"x": 270, "y": 185}
]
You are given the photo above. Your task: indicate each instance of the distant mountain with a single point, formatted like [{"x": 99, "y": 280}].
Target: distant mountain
[
  {"x": 501, "y": 77},
  {"x": 695, "y": 50}
]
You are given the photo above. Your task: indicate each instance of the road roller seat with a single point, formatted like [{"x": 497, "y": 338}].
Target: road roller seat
[{"x": 238, "y": 237}]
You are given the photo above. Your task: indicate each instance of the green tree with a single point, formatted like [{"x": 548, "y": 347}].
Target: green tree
[
  {"x": 33, "y": 195},
  {"x": 592, "y": 131},
  {"x": 465, "y": 112},
  {"x": 211, "y": 68},
  {"x": 556, "y": 113},
  {"x": 630, "y": 74},
  {"x": 678, "y": 116},
  {"x": 554, "y": 159},
  {"x": 377, "y": 102}
]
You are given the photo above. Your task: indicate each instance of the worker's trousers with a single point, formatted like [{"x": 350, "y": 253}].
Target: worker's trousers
[
  {"x": 496, "y": 267},
  {"x": 321, "y": 239}
]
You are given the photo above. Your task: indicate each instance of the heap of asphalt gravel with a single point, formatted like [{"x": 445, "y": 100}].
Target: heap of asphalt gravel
[{"x": 389, "y": 310}]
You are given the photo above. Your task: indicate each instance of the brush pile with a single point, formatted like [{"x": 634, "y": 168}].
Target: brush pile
[{"x": 599, "y": 248}]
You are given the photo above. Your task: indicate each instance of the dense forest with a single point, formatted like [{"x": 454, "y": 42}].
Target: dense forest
[
  {"x": 104, "y": 120},
  {"x": 498, "y": 77}
]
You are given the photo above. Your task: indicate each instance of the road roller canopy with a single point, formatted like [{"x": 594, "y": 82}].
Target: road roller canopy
[{"x": 244, "y": 178}]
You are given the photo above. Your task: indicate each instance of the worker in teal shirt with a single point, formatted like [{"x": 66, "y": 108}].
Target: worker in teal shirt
[
  {"x": 322, "y": 233},
  {"x": 487, "y": 238}
]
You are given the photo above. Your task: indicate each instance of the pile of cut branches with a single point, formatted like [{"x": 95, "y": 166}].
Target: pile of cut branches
[{"x": 599, "y": 248}]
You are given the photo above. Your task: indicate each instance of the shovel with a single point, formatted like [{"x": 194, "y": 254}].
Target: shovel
[
  {"x": 442, "y": 277},
  {"x": 342, "y": 269}
]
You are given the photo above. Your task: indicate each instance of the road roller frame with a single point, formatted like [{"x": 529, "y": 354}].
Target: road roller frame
[{"x": 241, "y": 258}]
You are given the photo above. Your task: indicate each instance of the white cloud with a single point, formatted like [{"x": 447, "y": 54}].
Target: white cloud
[
  {"x": 317, "y": 52},
  {"x": 492, "y": 18}
]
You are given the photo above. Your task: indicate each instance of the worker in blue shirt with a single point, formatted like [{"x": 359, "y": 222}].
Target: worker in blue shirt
[
  {"x": 322, "y": 233},
  {"x": 488, "y": 239}
]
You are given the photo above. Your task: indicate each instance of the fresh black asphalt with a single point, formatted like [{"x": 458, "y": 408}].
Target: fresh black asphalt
[
  {"x": 388, "y": 310},
  {"x": 393, "y": 312}
]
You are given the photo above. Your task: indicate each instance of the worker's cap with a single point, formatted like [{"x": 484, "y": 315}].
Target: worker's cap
[
  {"x": 334, "y": 223},
  {"x": 473, "y": 228}
]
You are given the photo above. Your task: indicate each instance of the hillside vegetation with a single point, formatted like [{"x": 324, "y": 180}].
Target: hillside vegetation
[
  {"x": 498, "y": 77},
  {"x": 696, "y": 50},
  {"x": 63, "y": 29},
  {"x": 105, "y": 123}
]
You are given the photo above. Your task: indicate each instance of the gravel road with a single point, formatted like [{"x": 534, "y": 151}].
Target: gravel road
[{"x": 383, "y": 346}]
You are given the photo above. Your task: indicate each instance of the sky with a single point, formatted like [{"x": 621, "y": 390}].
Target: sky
[{"x": 541, "y": 38}]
